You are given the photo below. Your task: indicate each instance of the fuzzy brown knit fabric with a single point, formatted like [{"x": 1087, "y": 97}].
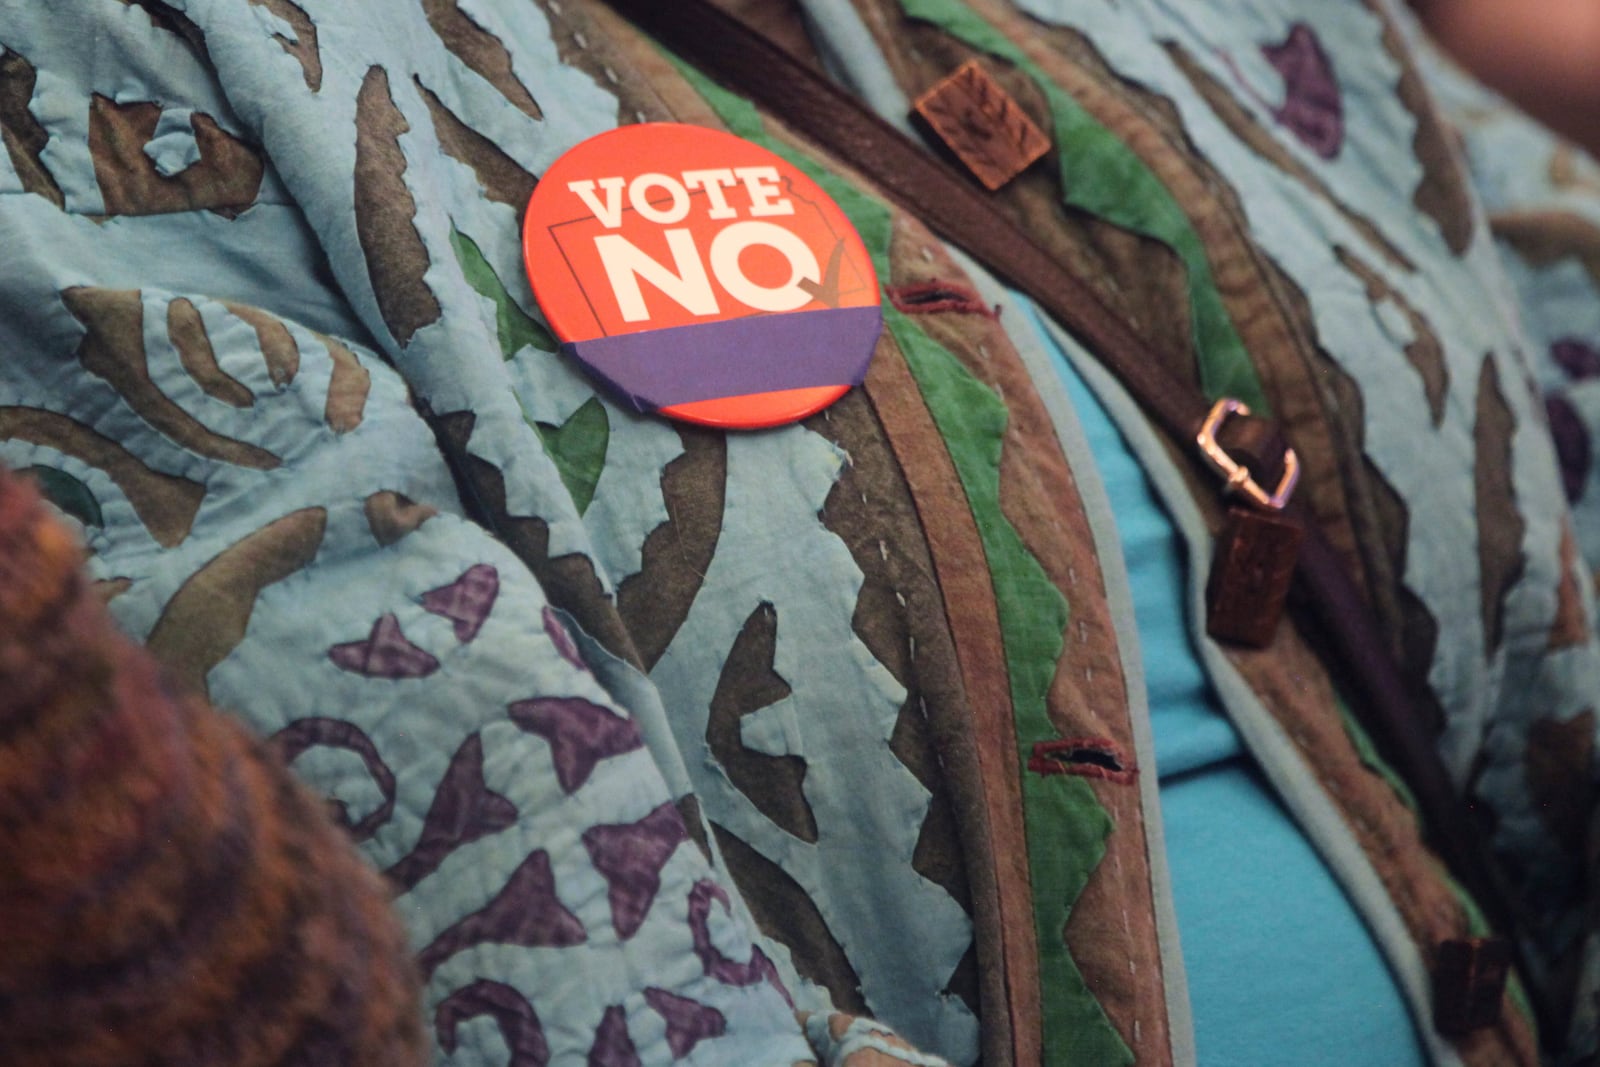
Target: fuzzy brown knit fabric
[{"x": 167, "y": 894}]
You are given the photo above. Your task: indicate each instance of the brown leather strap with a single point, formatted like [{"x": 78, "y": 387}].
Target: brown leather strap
[
  {"x": 1326, "y": 599},
  {"x": 827, "y": 115},
  {"x": 1258, "y": 445}
]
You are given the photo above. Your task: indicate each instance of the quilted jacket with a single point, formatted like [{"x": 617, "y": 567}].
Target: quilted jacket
[{"x": 676, "y": 744}]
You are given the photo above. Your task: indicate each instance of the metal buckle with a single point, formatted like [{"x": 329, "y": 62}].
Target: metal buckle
[{"x": 1238, "y": 477}]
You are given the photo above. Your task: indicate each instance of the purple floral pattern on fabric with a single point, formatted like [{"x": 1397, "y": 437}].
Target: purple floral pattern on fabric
[
  {"x": 688, "y": 1022},
  {"x": 565, "y": 645},
  {"x": 1577, "y": 357},
  {"x": 580, "y": 734},
  {"x": 630, "y": 857},
  {"x": 613, "y": 1047},
  {"x": 718, "y": 966},
  {"x": 519, "y": 1023},
  {"x": 526, "y": 912},
  {"x": 463, "y": 810},
  {"x": 1312, "y": 109},
  {"x": 304, "y": 734},
  {"x": 1574, "y": 449},
  {"x": 385, "y": 653},
  {"x": 467, "y": 601}
]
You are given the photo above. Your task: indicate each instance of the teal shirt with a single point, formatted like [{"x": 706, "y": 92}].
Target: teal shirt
[{"x": 1281, "y": 968}]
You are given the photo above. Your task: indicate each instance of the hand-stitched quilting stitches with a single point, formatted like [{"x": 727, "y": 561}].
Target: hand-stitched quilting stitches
[
  {"x": 1540, "y": 195},
  {"x": 384, "y": 653},
  {"x": 1481, "y": 639},
  {"x": 354, "y": 626}
]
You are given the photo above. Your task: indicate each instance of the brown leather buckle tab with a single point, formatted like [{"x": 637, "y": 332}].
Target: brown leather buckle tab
[
  {"x": 1257, "y": 444},
  {"x": 978, "y": 121},
  {"x": 1239, "y": 480},
  {"x": 1469, "y": 983},
  {"x": 1257, "y": 552},
  {"x": 1250, "y": 576}
]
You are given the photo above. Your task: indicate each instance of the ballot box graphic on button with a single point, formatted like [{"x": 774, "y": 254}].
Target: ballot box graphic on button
[{"x": 701, "y": 276}]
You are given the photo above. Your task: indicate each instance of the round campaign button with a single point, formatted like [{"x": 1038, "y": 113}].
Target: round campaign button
[{"x": 701, "y": 276}]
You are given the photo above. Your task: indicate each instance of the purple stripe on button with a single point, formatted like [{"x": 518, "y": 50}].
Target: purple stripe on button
[{"x": 761, "y": 354}]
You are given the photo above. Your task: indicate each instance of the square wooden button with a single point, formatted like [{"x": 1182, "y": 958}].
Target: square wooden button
[
  {"x": 978, "y": 121},
  {"x": 1469, "y": 979}
]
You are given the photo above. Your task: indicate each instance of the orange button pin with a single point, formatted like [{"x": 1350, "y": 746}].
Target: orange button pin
[{"x": 701, "y": 276}]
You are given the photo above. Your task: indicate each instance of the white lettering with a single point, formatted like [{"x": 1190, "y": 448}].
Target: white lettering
[
  {"x": 733, "y": 240},
  {"x": 639, "y": 197},
  {"x": 609, "y": 213},
  {"x": 762, "y": 185},
  {"x": 686, "y": 282},
  {"x": 713, "y": 182}
]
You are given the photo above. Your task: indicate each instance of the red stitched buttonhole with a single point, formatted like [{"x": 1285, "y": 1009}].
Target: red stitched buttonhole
[
  {"x": 927, "y": 297},
  {"x": 1090, "y": 757}
]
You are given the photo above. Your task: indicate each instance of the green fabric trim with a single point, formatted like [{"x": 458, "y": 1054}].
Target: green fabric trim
[
  {"x": 67, "y": 493},
  {"x": 578, "y": 448},
  {"x": 1066, "y": 825},
  {"x": 1477, "y": 924},
  {"x": 1103, "y": 176},
  {"x": 1368, "y": 754},
  {"x": 740, "y": 115},
  {"x": 516, "y": 327}
]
